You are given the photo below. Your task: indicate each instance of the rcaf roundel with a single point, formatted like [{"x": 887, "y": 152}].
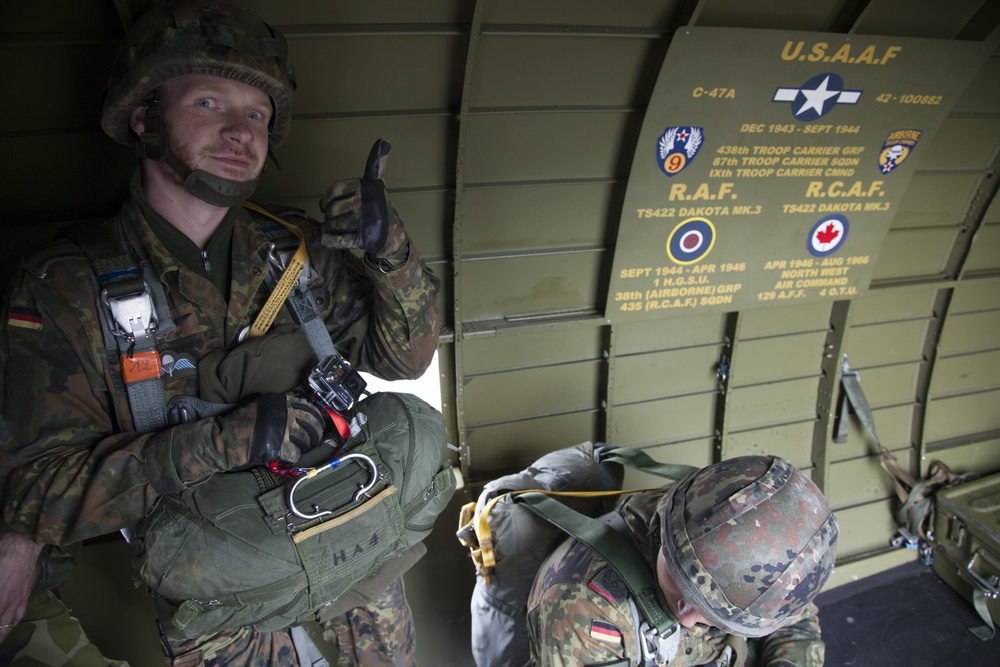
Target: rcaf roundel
[
  {"x": 827, "y": 235},
  {"x": 691, "y": 240}
]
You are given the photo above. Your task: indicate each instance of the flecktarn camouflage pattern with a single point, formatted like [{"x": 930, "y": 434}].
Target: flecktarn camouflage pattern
[
  {"x": 198, "y": 37},
  {"x": 750, "y": 542},
  {"x": 579, "y": 612}
]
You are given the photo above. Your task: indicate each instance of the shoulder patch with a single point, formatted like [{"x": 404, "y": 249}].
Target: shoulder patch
[
  {"x": 24, "y": 317},
  {"x": 38, "y": 263},
  {"x": 609, "y": 585},
  {"x": 605, "y": 632}
]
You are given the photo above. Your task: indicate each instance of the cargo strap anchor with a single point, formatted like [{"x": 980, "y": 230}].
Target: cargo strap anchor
[{"x": 363, "y": 489}]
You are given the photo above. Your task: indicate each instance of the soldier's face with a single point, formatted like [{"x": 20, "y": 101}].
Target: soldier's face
[
  {"x": 686, "y": 615},
  {"x": 217, "y": 125}
]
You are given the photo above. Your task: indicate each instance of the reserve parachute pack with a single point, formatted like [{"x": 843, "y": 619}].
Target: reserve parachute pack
[
  {"x": 520, "y": 519},
  {"x": 257, "y": 549}
]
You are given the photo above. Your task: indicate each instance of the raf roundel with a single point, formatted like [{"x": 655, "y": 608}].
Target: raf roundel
[
  {"x": 691, "y": 241},
  {"x": 827, "y": 236}
]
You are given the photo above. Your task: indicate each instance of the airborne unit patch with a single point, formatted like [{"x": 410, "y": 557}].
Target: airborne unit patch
[
  {"x": 179, "y": 366},
  {"x": 677, "y": 146},
  {"x": 896, "y": 148}
]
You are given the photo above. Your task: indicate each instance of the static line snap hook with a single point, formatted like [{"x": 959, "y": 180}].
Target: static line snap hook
[{"x": 363, "y": 489}]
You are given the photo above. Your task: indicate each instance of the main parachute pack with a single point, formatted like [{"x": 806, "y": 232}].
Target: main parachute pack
[{"x": 520, "y": 519}]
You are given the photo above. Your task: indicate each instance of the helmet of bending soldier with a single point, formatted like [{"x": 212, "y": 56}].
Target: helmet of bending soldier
[
  {"x": 196, "y": 37},
  {"x": 749, "y": 542}
]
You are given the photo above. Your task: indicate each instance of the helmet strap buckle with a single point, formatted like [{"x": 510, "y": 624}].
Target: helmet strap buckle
[{"x": 153, "y": 140}]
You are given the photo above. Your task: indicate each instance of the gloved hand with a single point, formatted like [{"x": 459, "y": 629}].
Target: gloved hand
[
  {"x": 358, "y": 214},
  {"x": 285, "y": 428},
  {"x": 272, "y": 427}
]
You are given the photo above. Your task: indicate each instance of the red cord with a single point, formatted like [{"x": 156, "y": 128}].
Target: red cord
[{"x": 343, "y": 428}]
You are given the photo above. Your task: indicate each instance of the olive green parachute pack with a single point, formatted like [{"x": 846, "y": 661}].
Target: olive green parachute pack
[{"x": 231, "y": 552}]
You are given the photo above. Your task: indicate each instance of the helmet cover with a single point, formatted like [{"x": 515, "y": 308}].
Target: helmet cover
[
  {"x": 198, "y": 37},
  {"x": 749, "y": 541}
]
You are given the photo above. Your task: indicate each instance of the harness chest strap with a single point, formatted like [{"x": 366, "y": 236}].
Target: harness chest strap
[
  {"x": 289, "y": 277},
  {"x": 134, "y": 312},
  {"x": 291, "y": 289},
  {"x": 130, "y": 316}
]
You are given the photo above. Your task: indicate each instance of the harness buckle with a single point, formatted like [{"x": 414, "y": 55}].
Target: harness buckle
[
  {"x": 132, "y": 314},
  {"x": 279, "y": 259},
  {"x": 648, "y": 642},
  {"x": 656, "y": 649}
]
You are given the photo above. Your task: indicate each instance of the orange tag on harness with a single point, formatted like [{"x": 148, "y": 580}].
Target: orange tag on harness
[{"x": 140, "y": 366}]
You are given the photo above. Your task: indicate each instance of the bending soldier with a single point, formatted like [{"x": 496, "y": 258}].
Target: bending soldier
[
  {"x": 204, "y": 90},
  {"x": 740, "y": 550}
]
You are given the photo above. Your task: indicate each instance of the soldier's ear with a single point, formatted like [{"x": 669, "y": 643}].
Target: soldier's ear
[{"x": 137, "y": 120}]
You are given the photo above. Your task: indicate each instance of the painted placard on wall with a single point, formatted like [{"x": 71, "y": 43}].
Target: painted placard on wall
[{"x": 770, "y": 165}]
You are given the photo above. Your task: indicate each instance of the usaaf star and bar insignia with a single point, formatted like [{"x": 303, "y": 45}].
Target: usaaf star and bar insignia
[
  {"x": 677, "y": 147},
  {"x": 817, "y": 97}
]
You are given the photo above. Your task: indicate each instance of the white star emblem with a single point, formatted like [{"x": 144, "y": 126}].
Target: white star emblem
[{"x": 817, "y": 97}]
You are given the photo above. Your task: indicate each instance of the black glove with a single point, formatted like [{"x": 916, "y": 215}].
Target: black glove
[
  {"x": 358, "y": 214},
  {"x": 285, "y": 428}
]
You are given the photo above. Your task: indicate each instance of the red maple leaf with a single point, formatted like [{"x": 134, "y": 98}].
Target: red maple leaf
[{"x": 827, "y": 234}]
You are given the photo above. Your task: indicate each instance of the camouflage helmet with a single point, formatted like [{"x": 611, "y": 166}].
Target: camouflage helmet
[
  {"x": 198, "y": 37},
  {"x": 749, "y": 542}
]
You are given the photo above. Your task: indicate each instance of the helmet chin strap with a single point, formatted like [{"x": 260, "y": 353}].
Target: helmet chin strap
[{"x": 212, "y": 189}]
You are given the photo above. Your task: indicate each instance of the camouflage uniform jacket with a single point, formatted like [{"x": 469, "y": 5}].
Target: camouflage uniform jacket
[
  {"x": 71, "y": 464},
  {"x": 579, "y": 612}
]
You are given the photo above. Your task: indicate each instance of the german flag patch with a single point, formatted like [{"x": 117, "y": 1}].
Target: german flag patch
[
  {"x": 26, "y": 318},
  {"x": 605, "y": 632}
]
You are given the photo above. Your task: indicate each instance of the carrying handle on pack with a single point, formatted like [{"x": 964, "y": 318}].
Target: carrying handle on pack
[
  {"x": 640, "y": 460},
  {"x": 363, "y": 489}
]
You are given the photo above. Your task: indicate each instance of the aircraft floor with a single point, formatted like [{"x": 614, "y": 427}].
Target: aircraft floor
[{"x": 904, "y": 616}]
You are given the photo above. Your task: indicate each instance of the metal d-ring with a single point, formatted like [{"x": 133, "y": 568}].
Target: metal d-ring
[{"x": 363, "y": 489}]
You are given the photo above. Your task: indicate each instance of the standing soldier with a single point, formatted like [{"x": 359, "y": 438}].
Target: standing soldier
[
  {"x": 108, "y": 336},
  {"x": 740, "y": 550}
]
